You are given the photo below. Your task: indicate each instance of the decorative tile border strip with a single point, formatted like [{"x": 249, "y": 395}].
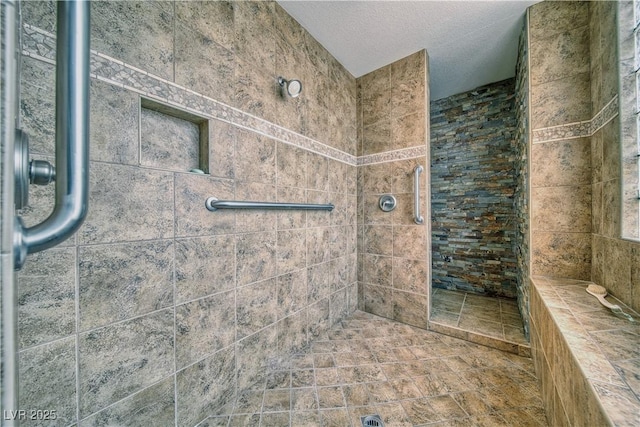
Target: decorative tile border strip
[
  {"x": 578, "y": 129},
  {"x": 40, "y": 44},
  {"x": 392, "y": 156},
  {"x": 608, "y": 113}
]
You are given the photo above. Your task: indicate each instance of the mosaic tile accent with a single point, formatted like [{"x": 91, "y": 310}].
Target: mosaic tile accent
[
  {"x": 392, "y": 156},
  {"x": 608, "y": 113},
  {"x": 578, "y": 129},
  {"x": 38, "y": 42},
  {"x": 568, "y": 131},
  {"x": 41, "y": 44}
]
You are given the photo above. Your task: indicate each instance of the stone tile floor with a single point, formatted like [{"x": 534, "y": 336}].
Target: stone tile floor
[
  {"x": 408, "y": 376},
  {"x": 495, "y": 317}
]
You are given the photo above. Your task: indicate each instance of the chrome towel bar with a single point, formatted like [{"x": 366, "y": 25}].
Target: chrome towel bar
[{"x": 214, "y": 204}]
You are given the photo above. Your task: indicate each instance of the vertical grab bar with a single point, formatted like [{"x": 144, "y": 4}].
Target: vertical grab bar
[
  {"x": 417, "y": 218},
  {"x": 72, "y": 136},
  {"x": 9, "y": 312}
]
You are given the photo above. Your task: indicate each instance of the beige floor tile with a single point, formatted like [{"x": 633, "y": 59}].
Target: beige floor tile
[
  {"x": 486, "y": 316},
  {"x": 410, "y": 377}
]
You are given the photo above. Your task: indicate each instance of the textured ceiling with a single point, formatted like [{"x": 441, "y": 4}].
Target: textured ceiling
[{"x": 470, "y": 43}]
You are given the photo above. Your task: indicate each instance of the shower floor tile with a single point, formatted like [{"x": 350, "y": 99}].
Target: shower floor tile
[
  {"x": 410, "y": 377},
  {"x": 496, "y": 318}
]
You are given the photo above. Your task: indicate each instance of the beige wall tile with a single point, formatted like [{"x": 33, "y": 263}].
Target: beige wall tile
[
  {"x": 46, "y": 297},
  {"x": 562, "y": 101},
  {"x": 291, "y": 166},
  {"x": 408, "y": 131},
  {"x": 204, "y": 326},
  {"x": 564, "y": 209},
  {"x": 114, "y": 25},
  {"x": 118, "y": 196},
  {"x": 378, "y": 300},
  {"x": 142, "y": 281},
  {"x": 255, "y": 257},
  {"x": 562, "y": 255},
  {"x": 559, "y": 56},
  {"x": 410, "y": 308},
  {"x": 215, "y": 74},
  {"x": 563, "y": 16},
  {"x": 611, "y": 150},
  {"x": 156, "y": 402},
  {"x": 410, "y": 242},
  {"x": 611, "y": 215},
  {"x": 37, "y": 111},
  {"x": 255, "y": 158},
  {"x": 113, "y": 124},
  {"x": 288, "y": 254},
  {"x": 211, "y": 19},
  {"x": 253, "y": 352},
  {"x": 293, "y": 219},
  {"x": 376, "y": 95},
  {"x": 565, "y": 162},
  {"x": 48, "y": 367},
  {"x": 635, "y": 277},
  {"x": 617, "y": 268},
  {"x": 291, "y": 292},
  {"x": 191, "y": 218},
  {"x": 205, "y": 388},
  {"x": 318, "y": 282},
  {"x": 256, "y": 307},
  {"x": 204, "y": 266},
  {"x": 141, "y": 362}
]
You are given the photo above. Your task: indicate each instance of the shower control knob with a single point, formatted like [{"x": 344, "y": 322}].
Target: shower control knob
[{"x": 387, "y": 202}]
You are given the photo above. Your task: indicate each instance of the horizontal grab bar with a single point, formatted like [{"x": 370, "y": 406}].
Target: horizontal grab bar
[{"x": 214, "y": 204}]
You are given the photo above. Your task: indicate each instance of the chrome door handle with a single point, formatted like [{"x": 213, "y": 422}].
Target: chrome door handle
[{"x": 72, "y": 136}]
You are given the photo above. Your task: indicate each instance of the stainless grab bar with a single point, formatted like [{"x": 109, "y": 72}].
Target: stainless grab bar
[
  {"x": 214, "y": 204},
  {"x": 72, "y": 136},
  {"x": 9, "y": 312},
  {"x": 417, "y": 218}
]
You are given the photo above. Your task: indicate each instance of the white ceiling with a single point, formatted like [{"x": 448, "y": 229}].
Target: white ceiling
[{"x": 470, "y": 43}]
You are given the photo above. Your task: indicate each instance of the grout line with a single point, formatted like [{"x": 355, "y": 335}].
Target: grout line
[
  {"x": 461, "y": 308},
  {"x": 77, "y": 324},
  {"x": 175, "y": 311}
]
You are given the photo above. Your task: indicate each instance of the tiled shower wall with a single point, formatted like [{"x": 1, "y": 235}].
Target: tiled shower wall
[
  {"x": 393, "y": 265},
  {"x": 575, "y": 151},
  {"x": 615, "y": 262},
  {"x": 522, "y": 173},
  {"x": 576, "y": 196},
  {"x": 560, "y": 161},
  {"x": 159, "y": 311},
  {"x": 472, "y": 188}
]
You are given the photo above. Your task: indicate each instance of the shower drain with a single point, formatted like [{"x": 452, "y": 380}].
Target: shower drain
[{"x": 372, "y": 421}]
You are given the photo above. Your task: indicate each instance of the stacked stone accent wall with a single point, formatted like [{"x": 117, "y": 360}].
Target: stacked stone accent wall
[
  {"x": 521, "y": 198},
  {"x": 473, "y": 182}
]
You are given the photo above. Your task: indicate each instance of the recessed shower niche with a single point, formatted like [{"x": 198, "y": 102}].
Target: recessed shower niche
[{"x": 173, "y": 139}]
